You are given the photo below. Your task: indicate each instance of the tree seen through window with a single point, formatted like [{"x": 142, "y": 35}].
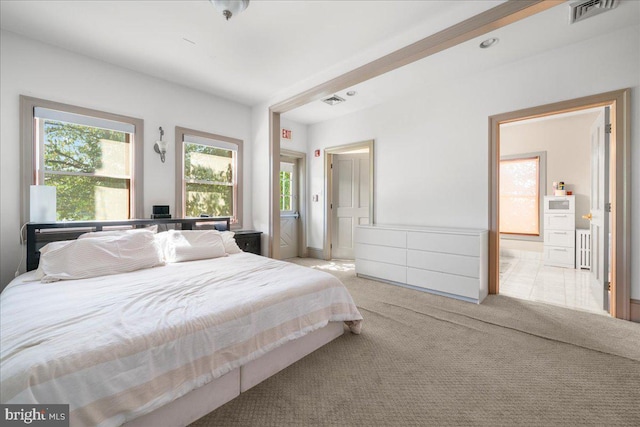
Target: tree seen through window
[
  {"x": 209, "y": 180},
  {"x": 90, "y": 168}
]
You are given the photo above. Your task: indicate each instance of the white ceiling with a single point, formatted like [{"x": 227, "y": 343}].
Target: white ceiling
[
  {"x": 547, "y": 30},
  {"x": 276, "y": 49},
  {"x": 270, "y": 48}
]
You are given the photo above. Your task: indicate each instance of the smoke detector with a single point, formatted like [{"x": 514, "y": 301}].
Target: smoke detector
[
  {"x": 333, "y": 100},
  {"x": 586, "y": 9}
]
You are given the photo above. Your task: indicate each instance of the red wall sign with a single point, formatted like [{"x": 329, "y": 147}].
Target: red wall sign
[
  {"x": 286, "y": 134},
  {"x": 316, "y": 153}
]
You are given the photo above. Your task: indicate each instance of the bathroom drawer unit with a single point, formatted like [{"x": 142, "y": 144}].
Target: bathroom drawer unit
[
  {"x": 559, "y": 231},
  {"x": 446, "y": 261}
]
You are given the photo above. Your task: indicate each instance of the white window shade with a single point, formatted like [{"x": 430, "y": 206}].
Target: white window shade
[
  {"x": 66, "y": 117},
  {"x": 519, "y": 196},
  {"x": 211, "y": 142}
]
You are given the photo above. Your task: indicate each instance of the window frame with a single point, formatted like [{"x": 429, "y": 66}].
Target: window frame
[
  {"x": 542, "y": 191},
  {"x": 292, "y": 189},
  {"x": 30, "y": 147},
  {"x": 180, "y": 202}
]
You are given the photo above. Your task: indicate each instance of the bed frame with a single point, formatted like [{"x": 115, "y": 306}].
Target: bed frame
[
  {"x": 211, "y": 396},
  {"x": 205, "y": 399},
  {"x": 39, "y": 234}
]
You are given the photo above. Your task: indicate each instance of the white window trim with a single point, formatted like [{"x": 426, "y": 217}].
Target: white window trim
[
  {"x": 30, "y": 148},
  {"x": 204, "y": 138},
  {"x": 542, "y": 177}
]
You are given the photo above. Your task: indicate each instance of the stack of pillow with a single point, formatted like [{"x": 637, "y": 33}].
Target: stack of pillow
[{"x": 111, "y": 252}]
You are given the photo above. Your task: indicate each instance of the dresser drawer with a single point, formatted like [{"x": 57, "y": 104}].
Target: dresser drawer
[
  {"x": 373, "y": 236},
  {"x": 560, "y": 221},
  {"x": 386, "y": 254},
  {"x": 559, "y": 256},
  {"x": 564, "y": 238},
  {"x": 381, "y": 270},
  {"x": 443, "y": 282},
  {"x": 445, "y": 263},
  {"x": 459, "y": 244}
]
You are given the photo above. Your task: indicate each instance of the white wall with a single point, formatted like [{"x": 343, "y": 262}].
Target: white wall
[
  {"x": 298, "y": 141},
  {"x": 42, "y": 71},
  {"x": 260, "y": 184},
  {"x": 431, "y": 148},
  {"x": 567, "y": 142}
]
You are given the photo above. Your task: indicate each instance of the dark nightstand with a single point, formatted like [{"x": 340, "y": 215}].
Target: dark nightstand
[{"x": 249, "y": 241}]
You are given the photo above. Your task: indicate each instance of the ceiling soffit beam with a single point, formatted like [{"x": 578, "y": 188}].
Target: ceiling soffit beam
[{"x": 492, "y": 19}]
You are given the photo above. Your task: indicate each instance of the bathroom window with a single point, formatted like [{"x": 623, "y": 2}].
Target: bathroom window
[{"x": 521, "y": 194}]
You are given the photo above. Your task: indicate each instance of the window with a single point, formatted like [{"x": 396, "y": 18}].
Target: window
[
  {"x": 209, "y": 176},
  {"x": 286, "y": 186},
  {"x": 520, "y": 194},
  {"x": 88, "y": 156}
]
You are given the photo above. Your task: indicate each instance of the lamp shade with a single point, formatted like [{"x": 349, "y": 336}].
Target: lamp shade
[
  {"x": 42, "y": 203},
  {"x": 162, "y": 146},
  {"x": 232, "y": 7}
]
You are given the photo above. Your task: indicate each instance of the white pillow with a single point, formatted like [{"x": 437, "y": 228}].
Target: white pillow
[
  {"x": 99, "y": 256},
  {"x": 189, "y": 245},
  {"x": 230, "y": 245},
  {"x": 161, "y": 240},
  {"x": 152, "y": 229}
]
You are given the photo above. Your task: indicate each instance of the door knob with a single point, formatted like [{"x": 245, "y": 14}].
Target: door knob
[{"x": 588, "y": 216}]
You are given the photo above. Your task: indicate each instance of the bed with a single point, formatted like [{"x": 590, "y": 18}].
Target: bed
[{"x": 163, "y": 345}]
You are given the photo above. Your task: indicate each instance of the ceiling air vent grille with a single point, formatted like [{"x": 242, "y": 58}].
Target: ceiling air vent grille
[
  {"x": 333, "y": 100},
  {"x": 586, "y": 9}
]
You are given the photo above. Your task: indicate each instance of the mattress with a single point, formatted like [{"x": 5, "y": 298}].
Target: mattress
[{"x": 120, "y": 346}]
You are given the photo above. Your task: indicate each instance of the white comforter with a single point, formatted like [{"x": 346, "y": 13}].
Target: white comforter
[{"x": 117, "y": 347}]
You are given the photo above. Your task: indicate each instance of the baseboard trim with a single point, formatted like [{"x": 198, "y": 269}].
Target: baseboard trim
[{"x": 635, "y": 311}]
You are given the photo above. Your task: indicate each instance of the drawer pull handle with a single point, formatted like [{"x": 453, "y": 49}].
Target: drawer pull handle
[
  {"x": 559, "y": 232},
  {"x": 560, "y": 250}
]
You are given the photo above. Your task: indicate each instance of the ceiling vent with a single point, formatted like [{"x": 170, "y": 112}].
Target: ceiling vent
[
  {"x": 333, "y": 100},
  {"x": 586, "y": 9}
]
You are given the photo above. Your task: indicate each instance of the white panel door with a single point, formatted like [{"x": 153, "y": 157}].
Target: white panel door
[
  {"x": 289, "y": 216},
  {"x": 350, "y": 201},
  {"x": 599, "y": 211}
]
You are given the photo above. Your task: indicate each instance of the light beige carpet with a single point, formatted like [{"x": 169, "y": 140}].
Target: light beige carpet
[{"x": 426, "y": 360}]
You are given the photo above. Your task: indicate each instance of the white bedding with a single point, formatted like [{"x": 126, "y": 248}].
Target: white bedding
[{"x": 119, "y": 346}]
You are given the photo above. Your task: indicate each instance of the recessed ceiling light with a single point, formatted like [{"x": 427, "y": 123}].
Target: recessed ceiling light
[
  {"x": 352, "y": 93},
  {"x": 489, "y": 42}
]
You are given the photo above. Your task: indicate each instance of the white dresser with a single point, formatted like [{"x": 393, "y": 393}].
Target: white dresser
[
  {"x": 560, "y": 231},
  {"x": 446, "y": 261}
]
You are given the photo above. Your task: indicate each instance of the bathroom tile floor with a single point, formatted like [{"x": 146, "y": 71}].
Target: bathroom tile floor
[{"x": 531, "y": 280}]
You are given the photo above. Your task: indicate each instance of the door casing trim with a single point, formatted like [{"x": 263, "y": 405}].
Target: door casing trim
[{"x": 620, "y": 196}]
